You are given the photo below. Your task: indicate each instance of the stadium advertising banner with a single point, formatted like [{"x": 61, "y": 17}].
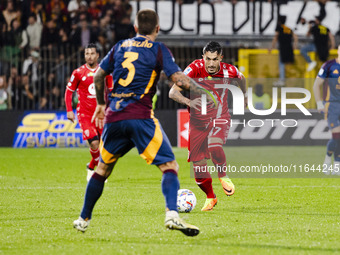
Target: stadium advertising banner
[
  {"x": 48, "y": 129},
  {"x": 243, "y": 18},
  {"x": 250, "y": 130}
]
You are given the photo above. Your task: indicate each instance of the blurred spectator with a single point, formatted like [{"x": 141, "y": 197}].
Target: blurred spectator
[
  {"x": 107, "y": 27},
  {"x": 124, "y": 29},
  {"x": 63, "y": 43},
  {"x": 14, "y": 41},
  {"x": 32, "y": 68},
  {"x": 93, "y": 10},
  {"x": 74, "y": 35},
  {"x": 50, "y": 35},
  {"x": 34, "y": 30},
  {"x": 39, "y": 12},
  {"x": 10, "y": 13},
  {"x": 109, "y": 6},
  {"x": 118, "y": 10},
  {"x": 74, "y": 6},
  {"x": 102, "y": 45},
  {"x": 287, "y": 41},
  {"x": 59, "y": 17},
  {"x": 84, "y": 32},
  {"x": 322, "y": 38},
  {"x": 52, "y": 4},
  {"x": 13, "y": 82},
  {"x": 3, "y": 94},
  {"x": 261, "y": 100},
  {"x": 95, "y": 31},
  {"x": 26, "y": 100}
]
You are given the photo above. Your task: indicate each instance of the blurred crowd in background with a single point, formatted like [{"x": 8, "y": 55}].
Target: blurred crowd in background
[
  {"x": 38, "y": 35},
  {"x": 42, "y": 42}
]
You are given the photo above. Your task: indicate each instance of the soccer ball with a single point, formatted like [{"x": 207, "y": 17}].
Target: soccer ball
[{"x": 186, "y": 200}]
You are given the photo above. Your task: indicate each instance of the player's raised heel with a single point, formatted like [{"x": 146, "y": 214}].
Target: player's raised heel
[
  {"x": 81, "y": 224},
  {"x": 209, "y": 204},
  {"x": 174, "y": 222},
  {"x": 228, "y": 186}
]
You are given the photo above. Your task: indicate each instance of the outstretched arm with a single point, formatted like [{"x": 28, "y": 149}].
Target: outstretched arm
[{"x": 186, "y": 83}]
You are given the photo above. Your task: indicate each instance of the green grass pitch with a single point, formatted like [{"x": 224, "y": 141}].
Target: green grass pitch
[{"x": 42, "y": 193}]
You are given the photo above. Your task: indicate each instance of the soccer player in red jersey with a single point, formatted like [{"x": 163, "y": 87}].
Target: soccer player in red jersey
[
  {"x": 206, "y": 140},
  {"x": 82, "y": 81}
]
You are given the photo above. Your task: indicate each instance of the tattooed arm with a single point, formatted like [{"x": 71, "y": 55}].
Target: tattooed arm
[
  {"x": 181, "y": 81},
  {"x": 176, "y": 95},
  {"x": 99, "y": 113},
  {"x": 99, "y": 82},
  {"x": 186, "y": 83}
]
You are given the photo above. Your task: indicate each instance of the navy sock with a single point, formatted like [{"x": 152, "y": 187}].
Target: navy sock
[
  {"x": 94, "y": 190},
  {"x": 331, "y": 146},
  {"x": 337, "y": 151},
  {"x": 170, "y": 186}
]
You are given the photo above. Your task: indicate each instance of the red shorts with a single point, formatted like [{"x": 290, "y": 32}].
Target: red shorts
[
  {"x": 198, "y": 139},
  {"x": 89, "y": 129}
]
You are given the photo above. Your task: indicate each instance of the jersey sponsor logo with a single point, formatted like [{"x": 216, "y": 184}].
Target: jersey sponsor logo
[
  {"x": 92, "y": 89},
  {"x": 69, "y": 84},
  {"x": 129, "y": 43},
  {"x": 72, "y": 78},
  {"x": 84, "y": 78},
  {"x": 321, "y": 72},
  {"x": 38, "y": 130},
  {"x": 87, "y": 132},
  {"x": 90, "y": 74},
  {"x": 336, "y": 71}
]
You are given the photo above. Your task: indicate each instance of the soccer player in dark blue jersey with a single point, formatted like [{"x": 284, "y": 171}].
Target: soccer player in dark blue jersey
[
  {"x": 128, "y": 118},
  {"x": 329, "y": 78}
]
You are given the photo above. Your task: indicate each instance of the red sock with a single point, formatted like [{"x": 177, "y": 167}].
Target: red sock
[
  {"x": 95, "y": 158},
  {"x": 203, "y": 180},
  {"x": 218, "y": 158}
]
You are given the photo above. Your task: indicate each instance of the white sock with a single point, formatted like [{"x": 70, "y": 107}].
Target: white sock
[
  {"x": 171, "y": 214},
  {"x": 328, "y": 160}
]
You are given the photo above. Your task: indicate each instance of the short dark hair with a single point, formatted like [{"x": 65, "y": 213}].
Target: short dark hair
[
  {"x": 32, "y": 15},
  {"x": 147, "y": 20},
  {"x": 282, "y": 19},
  {"x": 212, "y": 46},
  {"x": 91, "y": 46}
]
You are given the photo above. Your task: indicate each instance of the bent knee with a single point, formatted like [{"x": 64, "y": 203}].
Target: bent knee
[{"x": 173, "y": 165}]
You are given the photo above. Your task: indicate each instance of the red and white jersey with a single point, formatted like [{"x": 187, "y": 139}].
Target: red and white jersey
[
  {"x": 197, "y": 71},
  {"x": 82, "y": 81}
]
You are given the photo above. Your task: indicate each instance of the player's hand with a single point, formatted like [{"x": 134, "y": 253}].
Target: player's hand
[
  {"x": 196, "y": 104},
  {"x": 70, "y": 116},
  {"x": 99, "y": 115},
  {"x": 320, "y": 106}
]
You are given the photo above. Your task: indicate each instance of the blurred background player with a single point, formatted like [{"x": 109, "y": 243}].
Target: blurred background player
[
  {"x": 135, "y": 65},
  {"x": 328, "y": 77},
  {"x": 323, "y": 40},
  {"x": 82, "y": 81},
  {"x": 287, "y": 42},
  {"x": 206, "y": 141},
  {"x": 261, "y": 100}
]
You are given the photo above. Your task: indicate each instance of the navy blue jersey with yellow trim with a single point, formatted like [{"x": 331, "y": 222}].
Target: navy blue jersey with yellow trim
[
  {"x": 330, "y": 72},
  {"x": 135, "y": 65}
]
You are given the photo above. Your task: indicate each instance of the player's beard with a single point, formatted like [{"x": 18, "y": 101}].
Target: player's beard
[
  {"x": 212, "y": 70},
  {"x": 91, "y": 64}
]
